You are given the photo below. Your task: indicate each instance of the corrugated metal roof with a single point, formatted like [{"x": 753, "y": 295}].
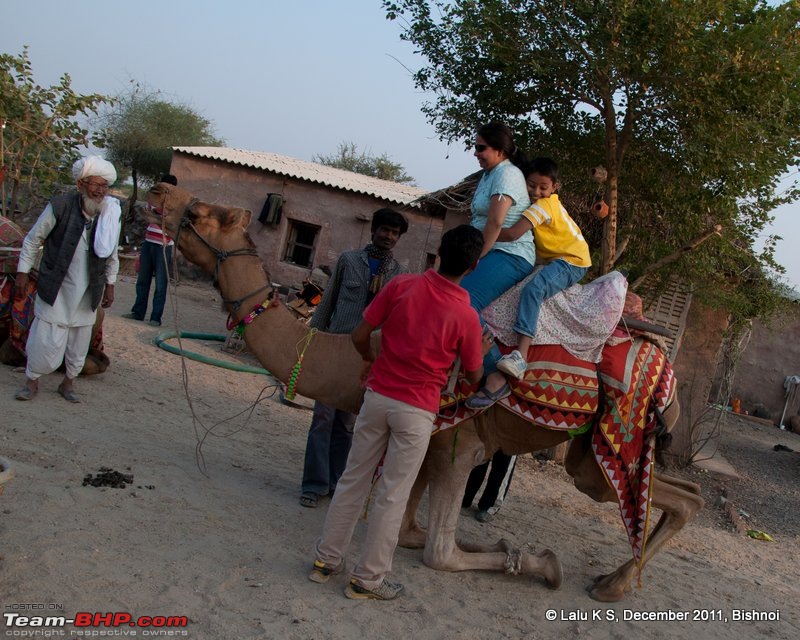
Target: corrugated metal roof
[{"x": 310, "y": 171}]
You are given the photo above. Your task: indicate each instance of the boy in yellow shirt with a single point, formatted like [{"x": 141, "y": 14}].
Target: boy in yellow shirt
[{"x": 560, "y": 246}]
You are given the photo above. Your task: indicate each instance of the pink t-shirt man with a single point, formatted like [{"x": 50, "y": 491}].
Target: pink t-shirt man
[{"x": 425, "y": 321}]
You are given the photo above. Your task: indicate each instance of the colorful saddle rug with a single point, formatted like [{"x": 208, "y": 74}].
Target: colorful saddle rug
[
  {"x": 562, "y": 392},
  {"x": 559, "y": 391},
  {"x": 16, "y": 313},
  {"x": 16, "y": 316},
  {"x": 637, "y": 377}
]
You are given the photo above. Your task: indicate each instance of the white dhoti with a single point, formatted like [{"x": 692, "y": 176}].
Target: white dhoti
[{"x": 49, "y": 344}]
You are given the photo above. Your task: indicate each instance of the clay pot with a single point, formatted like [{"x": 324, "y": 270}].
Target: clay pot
[{"x": 600, "y": 209}]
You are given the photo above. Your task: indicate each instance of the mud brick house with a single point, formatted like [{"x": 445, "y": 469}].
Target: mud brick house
[
  {"x": 772, "y": 355},
  {"x": 305, "y": 214}
]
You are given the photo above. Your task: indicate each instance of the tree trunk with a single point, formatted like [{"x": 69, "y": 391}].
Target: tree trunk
[
  {"x": 129, "y": 216},
  {"x": 12, "y": 205},
  {"x": 609, "y": 241}
]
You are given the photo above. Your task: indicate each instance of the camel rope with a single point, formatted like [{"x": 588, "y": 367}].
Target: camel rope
[{"x": 201, "y": 431}]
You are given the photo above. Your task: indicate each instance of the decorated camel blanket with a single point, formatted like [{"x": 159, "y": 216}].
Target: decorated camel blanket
[
  {"x": 16, "y": 313},
  {"x": 562, "y": 391},
  {"x": 637, "y": 378},
  {"x": 16, "y": 318},
  {"x": 559, "y": 390}
]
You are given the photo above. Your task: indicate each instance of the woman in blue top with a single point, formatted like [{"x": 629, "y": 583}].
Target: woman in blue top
[{"x": 499, "y": 200}]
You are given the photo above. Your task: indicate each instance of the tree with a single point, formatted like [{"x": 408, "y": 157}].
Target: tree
[
  {"x": 140, "y": 128},
  {"x": 349, "y": 158},
  {"x": 691, "y": 106},
  {"x": 42, "y": 131}
]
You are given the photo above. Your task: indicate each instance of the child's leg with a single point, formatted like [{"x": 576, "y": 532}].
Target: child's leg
[{"x": 552, "y": 278}]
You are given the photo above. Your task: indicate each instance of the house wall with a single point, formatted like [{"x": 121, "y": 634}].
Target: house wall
[
  {"x": 772, "y": 354},
  {"x": 695, "y": 367},
  {"x": 343, "y": 217}
]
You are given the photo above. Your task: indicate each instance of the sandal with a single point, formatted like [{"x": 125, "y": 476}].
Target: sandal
[
  {"x": 26, "y": 393},
  {"x": 309, "y": 499},
  {"x": 485, "y": 398},
  {"x": 68, "y": 394}
]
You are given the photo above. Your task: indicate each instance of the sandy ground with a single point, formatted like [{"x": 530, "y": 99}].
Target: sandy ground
[{"x": 231, "y": 549}]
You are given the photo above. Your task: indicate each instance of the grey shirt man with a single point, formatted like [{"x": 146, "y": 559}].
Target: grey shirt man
[{"x": 347, "y": 293}]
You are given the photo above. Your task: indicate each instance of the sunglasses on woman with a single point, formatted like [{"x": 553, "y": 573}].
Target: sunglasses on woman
[{"x": 481, "y": 147}]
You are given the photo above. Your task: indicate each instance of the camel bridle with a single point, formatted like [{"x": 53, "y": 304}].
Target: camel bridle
[{"x": 221, "y": 256}]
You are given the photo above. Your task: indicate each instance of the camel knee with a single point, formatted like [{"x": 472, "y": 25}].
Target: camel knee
[
  {"x": 440, "y": 559},
  {"x": 690, "y": 508}
]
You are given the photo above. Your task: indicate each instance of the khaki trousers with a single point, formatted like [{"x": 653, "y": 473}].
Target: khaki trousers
[{"x": 404, "y": 432}]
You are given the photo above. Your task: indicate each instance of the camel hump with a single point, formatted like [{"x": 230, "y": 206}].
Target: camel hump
[{"x": 580, "y": 318}]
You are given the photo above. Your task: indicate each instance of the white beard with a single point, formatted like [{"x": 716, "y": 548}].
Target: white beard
[{"x": 91, "y": 207}]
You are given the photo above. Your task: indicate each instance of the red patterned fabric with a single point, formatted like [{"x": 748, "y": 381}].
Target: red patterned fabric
[
  {"x": 559, "y": 392},
  {"x": 22, "y": 316},
  {"x": 16, "y": 314},
  {"x": 636, "y": 377},
  {"x": 452, "y": 410}
]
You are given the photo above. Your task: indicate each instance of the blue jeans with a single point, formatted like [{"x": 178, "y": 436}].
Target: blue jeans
[
  {"x": 552, "y": 278},
  {"x": 328, "y": 444},
  {"x": 151, "y": 263},
  {"x": 496, "y": 273}
]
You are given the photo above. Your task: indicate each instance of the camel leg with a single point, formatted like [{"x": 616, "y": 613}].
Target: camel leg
[
  {"x": 678, "y": 504},
  {"x": 688, "y": 485},
  {"x": 447, "y": 480},
  {"x": 412, "y": 535}
]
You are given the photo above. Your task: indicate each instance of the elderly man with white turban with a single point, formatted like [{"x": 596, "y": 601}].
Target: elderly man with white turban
[{"x": 78, "y": 269}]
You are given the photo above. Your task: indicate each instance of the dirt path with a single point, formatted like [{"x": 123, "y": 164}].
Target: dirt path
[{"x": 231, "y": 550}]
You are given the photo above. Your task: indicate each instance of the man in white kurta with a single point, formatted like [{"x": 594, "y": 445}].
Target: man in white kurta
[{"x": 85, "y": 247}]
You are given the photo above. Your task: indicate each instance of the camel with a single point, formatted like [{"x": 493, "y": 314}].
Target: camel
[{"x": 214, "y": 237}]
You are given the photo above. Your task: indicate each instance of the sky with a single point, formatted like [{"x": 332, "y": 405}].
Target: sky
[{"x": 295, "y": 78}]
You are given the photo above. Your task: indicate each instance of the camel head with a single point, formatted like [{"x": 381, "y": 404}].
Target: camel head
[{"x": 189, "y": 222}]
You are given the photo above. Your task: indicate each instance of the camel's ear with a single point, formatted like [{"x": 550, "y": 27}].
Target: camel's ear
[
  {"x": 198, "y": 210},
  {"x": 238, "y": 217}
]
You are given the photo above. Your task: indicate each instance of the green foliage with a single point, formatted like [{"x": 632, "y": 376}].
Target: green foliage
[
  {"x": 43, "y": 130},
  {"x": 692, "y": 106},
  {"x": 349, "y": 158},
  {"x": 140, "y": 128}
]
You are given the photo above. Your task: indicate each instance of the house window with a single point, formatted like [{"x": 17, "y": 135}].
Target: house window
[{"x": 300, "y": 243}]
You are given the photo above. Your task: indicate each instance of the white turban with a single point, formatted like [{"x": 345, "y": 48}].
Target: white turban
[
  {"x": 109, "y": 219},
  {"x": 94, "y": 166}
]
